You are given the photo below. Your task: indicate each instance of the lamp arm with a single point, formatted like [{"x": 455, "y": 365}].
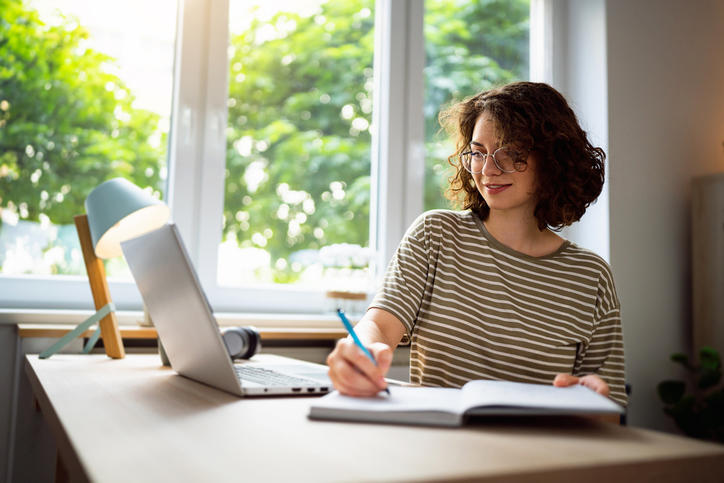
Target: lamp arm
[{"x": 99, "y": 287}]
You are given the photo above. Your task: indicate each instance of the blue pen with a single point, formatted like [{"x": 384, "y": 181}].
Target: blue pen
[{"x": 350, "y": 329}]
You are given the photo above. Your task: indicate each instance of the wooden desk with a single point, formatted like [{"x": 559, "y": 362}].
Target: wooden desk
[{"x": 132, "y": 420}]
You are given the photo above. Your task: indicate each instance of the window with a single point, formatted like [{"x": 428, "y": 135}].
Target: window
[
  {"x": 297, "y": 134},
  {"x": 86, "y": 96},
  {"x": 297, "y": 177},
  {"x": 470, "y": 46}
]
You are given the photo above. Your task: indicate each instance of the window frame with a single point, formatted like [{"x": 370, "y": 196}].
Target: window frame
[
  {"x": 398, "y": 34},
  {"x": 197, "y": 161}
]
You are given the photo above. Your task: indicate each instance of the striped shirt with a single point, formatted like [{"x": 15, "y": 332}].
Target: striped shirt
[{"x": 476, "y": 309}]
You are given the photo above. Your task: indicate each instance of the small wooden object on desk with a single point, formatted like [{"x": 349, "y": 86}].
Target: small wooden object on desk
[{"x": 99, "y": 287}]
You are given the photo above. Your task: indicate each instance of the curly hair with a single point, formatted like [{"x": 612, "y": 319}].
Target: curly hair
[{"x": 570, "y": 170}]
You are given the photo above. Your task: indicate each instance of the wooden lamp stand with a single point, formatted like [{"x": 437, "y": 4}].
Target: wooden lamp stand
[{"x": 112, "y": 340}]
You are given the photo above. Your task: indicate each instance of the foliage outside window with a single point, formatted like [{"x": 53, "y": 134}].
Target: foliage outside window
[
  {"x": 68, "y": 121},
  {"x": 298, "y": 140}
]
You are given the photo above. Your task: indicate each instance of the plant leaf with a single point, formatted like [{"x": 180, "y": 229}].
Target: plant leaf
[
  {"x": 709, "y": 358},
  {"x": 681, "y": 358},
  {"x": 671, "y": 392}
]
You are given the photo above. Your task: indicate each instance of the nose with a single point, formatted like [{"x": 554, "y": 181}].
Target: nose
[{"x": 489, "y": 166}]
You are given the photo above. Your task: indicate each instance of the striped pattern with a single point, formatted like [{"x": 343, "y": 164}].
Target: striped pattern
[{"x": 475, "y": 309}]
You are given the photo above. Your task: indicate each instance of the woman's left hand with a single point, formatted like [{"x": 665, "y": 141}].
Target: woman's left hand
[{"x": 591, "y": 381}]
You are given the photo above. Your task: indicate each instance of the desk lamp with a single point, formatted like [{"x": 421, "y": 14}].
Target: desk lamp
[{"x": 117, "y": 210}]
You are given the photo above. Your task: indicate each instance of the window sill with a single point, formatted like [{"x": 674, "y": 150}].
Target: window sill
[
  {"x": 55, "y": 323},
  {"x": 129, "y": 332}
]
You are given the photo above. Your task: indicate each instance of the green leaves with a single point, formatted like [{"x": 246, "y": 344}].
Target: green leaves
[
  {"x": 67, "y": 123},
  {"x": 710, "y": 370},
  {"x": 60, "y": 134},
  {"x": 680, "y": 358},
  {"x": 709, "y": 358},
  {"x": 701, "y": 413},
  {"x": 298, "y": 104}
]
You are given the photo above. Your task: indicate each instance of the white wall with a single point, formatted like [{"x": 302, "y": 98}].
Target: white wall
[
  {"x": 666, "y": 125},
  {"x": 578, "y": 70},
  {"x": 646, "y": 79}
]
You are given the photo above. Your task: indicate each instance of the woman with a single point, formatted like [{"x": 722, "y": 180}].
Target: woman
[{"x": 493, "y": 292}]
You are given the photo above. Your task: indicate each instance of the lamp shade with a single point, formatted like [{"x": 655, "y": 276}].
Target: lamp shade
[{"x": 119, "y": 210}]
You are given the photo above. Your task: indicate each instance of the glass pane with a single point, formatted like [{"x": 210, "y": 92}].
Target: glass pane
[
  {"x": 470, "y": 46},
  {"x": 296, "y": 206},
  {"x": 86, "y": 96}
]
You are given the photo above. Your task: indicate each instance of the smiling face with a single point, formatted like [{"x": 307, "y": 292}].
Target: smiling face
[{"x": 512, "y": 194}]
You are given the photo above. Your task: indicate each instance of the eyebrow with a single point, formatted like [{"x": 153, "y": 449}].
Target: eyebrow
[
  {"x": 478, "y": 144},
  {"x": 483, "y": 146}
]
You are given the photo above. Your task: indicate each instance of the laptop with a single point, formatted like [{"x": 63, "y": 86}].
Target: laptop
[{"x": 190, "y": 334}]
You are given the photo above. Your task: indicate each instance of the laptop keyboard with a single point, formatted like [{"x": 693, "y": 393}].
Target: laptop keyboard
[{"x": 269, "y": 377}]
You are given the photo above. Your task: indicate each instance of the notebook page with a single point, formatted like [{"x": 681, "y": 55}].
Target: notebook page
[
  {"x": 541, "y": 396},
  {"x": 400, "y": 399}
]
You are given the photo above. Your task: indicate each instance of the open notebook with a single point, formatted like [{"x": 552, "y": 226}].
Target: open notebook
[{"x": 438, "y": 406}]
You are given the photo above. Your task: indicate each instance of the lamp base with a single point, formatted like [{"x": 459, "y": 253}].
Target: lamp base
[{"x": 78, "y": 331}]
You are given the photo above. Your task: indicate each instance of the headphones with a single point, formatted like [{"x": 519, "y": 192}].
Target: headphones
[{"x": 241, "y": 342}]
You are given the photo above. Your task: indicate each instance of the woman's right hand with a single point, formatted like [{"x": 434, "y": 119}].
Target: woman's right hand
[{"x": 353, "y": 373}]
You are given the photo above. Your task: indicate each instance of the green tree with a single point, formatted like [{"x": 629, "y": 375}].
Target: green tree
[
  {"x": 297, "y": 139},
  {"x": 66, "y": 122}
]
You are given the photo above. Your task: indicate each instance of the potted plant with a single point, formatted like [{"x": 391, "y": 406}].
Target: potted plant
[{"x": 699, "y": 413}]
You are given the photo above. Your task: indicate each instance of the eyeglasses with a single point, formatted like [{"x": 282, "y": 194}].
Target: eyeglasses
[{"x": 506, "y": 158}]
